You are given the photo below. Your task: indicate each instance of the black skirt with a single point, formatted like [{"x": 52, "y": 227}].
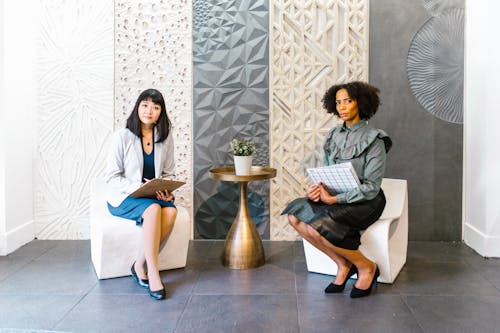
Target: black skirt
[{"x": 340, "y": 224}]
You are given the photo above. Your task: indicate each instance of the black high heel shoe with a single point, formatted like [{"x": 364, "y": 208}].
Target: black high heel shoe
[
  {"x": 141, "y": 282},
  {"x": 157, "y": 294},
  {"x": 357, "y": 293},
  {"x": 338, "y": 288}
]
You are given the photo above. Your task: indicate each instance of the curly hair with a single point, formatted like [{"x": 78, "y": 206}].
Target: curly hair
[{"x": 363, "y": 93}]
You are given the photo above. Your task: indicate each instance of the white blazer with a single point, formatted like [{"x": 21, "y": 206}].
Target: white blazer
[{"x": 125, "y": 164}]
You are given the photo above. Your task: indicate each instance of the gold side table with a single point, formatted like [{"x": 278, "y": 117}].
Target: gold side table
[{"x": 243, "y": 246}]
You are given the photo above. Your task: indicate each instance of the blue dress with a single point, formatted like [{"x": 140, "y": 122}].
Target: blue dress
[{"x": 133, "y": 208}]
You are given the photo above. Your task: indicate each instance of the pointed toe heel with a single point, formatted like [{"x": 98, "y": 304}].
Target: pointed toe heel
[
  {"x": 338, "y": 288},
  {"x": 144, "y": 283},
  {"x": 357, "y": 293},
  {"x": 157, "y": 294}
]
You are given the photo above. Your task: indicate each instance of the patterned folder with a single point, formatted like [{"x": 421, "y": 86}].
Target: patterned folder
[{"x": 337, "y": 178}]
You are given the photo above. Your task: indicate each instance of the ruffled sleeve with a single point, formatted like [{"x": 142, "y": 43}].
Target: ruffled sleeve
[
  {"x": 357, "y": 148},
  {"x": 366, "y": 150}
]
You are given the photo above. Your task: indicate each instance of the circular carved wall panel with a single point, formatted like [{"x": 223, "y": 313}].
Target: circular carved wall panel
[
  {"x": 435, "y": 65},
  {"x": 436, "y": 7}
]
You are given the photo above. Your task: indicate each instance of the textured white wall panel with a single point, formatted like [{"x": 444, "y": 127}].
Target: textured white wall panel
[
  {"x": 154, "y": 50},
  {"x": 314, "y": 44},
  {"x": 74, "y": 113}
]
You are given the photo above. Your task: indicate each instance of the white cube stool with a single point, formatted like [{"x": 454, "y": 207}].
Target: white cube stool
[
  {"x": 385, "y": 242},
  {"x": 115, "y": 241}
]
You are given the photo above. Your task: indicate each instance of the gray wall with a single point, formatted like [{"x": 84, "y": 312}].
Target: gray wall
[
  {"x": 233, "y": 37},
  {"x": 427, "y": 151},
  {"x": 230, "y": 99}
]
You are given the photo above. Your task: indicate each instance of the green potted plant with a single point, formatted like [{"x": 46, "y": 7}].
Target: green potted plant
[{"x": 242, "y": 151}]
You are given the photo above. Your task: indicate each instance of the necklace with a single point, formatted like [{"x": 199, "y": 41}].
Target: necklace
[{"x": 143, "y": 138}]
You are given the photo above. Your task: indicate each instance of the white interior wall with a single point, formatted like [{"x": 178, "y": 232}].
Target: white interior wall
[
  {"x": 2, "y": 138},
  {"x": 481, "y": 228},
  {"x": 74, "y": 115},
  {"x": 17, "y": 103}
]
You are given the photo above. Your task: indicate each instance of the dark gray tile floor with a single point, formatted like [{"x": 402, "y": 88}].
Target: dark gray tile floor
[{"x": 51, "y": 286}]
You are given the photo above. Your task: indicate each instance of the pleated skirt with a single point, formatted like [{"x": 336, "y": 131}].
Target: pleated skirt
[{"x": 340, "y": 224}]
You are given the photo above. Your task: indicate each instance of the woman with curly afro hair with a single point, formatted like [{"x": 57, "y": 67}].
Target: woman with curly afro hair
[{"x": 332, "y": 221}]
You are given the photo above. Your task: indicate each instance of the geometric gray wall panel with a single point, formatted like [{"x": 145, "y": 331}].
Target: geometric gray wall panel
[
  {"x": 230, "y": 99},
  {"x": 436, "y": 65}
]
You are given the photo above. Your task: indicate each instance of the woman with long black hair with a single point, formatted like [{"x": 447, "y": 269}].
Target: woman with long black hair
[{"x": 140, "y": 152}]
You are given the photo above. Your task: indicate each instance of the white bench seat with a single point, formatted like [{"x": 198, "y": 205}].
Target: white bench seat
[
  {"x": 385, "y": 242},
  {"x": 115, "y": 242}
]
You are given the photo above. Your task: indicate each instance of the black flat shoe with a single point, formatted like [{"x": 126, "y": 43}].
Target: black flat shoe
[
  {"x": 143, "y": 283},
  {"x": 357, "y": 293},
  {"x": 157, "y": 294},
  {"x": 338, "y": 288}
]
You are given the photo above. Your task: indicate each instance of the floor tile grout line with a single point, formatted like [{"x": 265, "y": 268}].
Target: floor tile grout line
[
  {"x": 76, "y": 304},
  {"x": 15, "y": 271},
  {"x": 243, "y": 294},
  {"x": 489, "y": 281},
  {"x": 297, "y": 299},
  {"x": 179, "y": 319},
  {"x": 191, "y": 294},
  {"x": 27, "y": 262},
  {"x": 404, "y": 300}
]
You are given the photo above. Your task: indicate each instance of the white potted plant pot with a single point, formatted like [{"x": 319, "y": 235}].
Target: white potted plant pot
[{"x": 242, "y": 165}]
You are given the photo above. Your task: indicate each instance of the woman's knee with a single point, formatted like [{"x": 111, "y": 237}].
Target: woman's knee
[
  {"x": 153, "y": 209},
  {"x": 313, "y": 233},
  {"x": 293, "y": 221},
  {"x": 169, "y": 212}
]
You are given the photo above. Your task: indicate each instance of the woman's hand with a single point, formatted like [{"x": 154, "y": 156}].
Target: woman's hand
[
  {"x": 325, "y": 196},
  {"x": 164, "y": 196},
  {"x": 313, "y": 192}
]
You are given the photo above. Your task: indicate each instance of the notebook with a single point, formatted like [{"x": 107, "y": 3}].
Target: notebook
[{"x": 337, "y": 178}]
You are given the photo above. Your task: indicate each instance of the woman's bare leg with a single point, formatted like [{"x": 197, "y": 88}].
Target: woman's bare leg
[
  {"x": 342, "y": 257},
  {"x": 151, "y": 231},
  {"x": 366, "y": 267},
  {"x": 168, "y": 215},
  {"x": 319, "y": 242},
  {"x": 140, "y": 266}
]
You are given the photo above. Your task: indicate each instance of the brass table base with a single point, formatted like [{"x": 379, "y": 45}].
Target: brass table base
[{"x": 243, "y": 246}]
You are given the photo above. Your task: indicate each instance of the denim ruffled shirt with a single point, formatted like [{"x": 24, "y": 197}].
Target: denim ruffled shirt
[{"x": 365, "y": 147}]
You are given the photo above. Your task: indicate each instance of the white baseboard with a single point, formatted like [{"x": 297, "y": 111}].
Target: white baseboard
[
  {"x": 14, "y": 239},
  {"x": 485, "y": 245}
]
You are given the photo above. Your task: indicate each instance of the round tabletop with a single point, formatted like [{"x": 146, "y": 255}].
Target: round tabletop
[{"x": 256, "y": 173}]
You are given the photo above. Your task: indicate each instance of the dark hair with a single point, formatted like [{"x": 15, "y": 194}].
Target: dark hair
[
  {"x": 163, "y": 124},
  {"x": 363, "y": 93}
]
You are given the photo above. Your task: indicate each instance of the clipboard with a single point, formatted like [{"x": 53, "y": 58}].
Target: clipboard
[
  {"x": 337, "y": 178},
  {"x": 149, "y": 189}
]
